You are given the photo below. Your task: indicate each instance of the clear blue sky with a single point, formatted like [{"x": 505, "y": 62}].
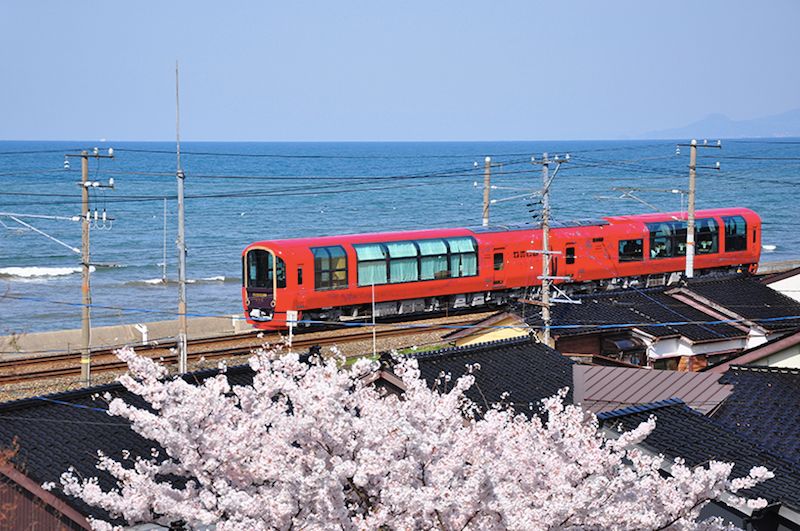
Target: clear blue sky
[{"x": 376, "y": 70}]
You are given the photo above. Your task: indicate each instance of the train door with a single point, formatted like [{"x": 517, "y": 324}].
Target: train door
[
  {"x": 568, "y": 267},
  {"x": 301, "y": 286},
  {"x": 499, "y": 266}
]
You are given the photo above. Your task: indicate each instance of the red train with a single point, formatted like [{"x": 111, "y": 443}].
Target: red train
[{"x": 332, "y": 278}]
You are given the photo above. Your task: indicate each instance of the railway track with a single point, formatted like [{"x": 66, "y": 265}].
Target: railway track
[{"x": 67, "y": 365}]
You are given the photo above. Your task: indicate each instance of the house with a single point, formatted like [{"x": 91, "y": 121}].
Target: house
[
  {"x": 783, "y": 351},
  {"x": 686, "y": 327},
  {"x": 785, "y": 282},
  {"x": 67, "y": 429},
  {"x": 764, "y": 406},
  {"x": 683, "y": 432},
  {"x": 601, "y": 389}
]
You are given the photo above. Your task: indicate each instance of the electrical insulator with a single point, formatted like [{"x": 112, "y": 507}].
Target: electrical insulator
[
  {"x": 104, "y": 215},
  {"x": 66, "y": 163},
  {"x": 95, "y": 214}
]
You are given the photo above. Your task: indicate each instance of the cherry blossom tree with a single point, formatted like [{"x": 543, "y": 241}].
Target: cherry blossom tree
[{"x": 313, "y": 445}]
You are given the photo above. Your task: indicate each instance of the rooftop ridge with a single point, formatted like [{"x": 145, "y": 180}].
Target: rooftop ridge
[
  {"x": 476, "y": 347},
  {"x": 764, "y": 368},
  {"x": 641, "y": 408}
]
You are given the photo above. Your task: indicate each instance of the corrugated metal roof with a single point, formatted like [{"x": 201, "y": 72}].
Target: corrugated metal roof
[{"x": 608, "y": 388}]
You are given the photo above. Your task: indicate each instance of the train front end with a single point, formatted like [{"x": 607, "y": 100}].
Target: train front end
[{"x": 263, "y": 279}]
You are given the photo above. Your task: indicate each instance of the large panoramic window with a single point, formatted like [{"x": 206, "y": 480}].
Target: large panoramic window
[
  {"x": 330, "y": 267},
  {"x": 735, "y": 233},
  {"x": 667, "y": 239},
  {"x": 413, "y": 260},
  {"x": 706, "y": 236},
  {"x": 463, "y": 257},
  {"x": 371, "y": 264}
]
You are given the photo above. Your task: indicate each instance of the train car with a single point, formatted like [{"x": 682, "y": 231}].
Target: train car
[{"x": 341, "y": 278}]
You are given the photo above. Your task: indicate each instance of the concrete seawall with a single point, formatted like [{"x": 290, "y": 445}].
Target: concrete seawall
[{"x": 60, "y": 341}]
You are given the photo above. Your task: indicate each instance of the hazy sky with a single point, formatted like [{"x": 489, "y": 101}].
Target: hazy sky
[{"x": 379, "y": 70}]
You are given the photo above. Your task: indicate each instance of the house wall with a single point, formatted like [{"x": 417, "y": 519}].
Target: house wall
[
  {"x": 494, "y": 334},
  {"x": 788, "y": 286},
  {"x": 588, "y": 344},
  {"x": 788, "y": 358},
  {"x": 21, "y": 510}
]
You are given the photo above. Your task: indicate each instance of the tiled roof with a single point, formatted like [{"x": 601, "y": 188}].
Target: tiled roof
[
  {"x": 601, "y": 389},
  {"x": 764, "y": 407},
  {"x": 650, "y": 310},
  {"x": 527, "y": 370},
  {"x": 752, "y": 300},
  {"x": 681, "y": 431},
  {"x": 67, "y": 429}
]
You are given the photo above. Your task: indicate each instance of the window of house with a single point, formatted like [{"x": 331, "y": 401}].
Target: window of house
[
  {"x": 631, "y": 250},
  {"x": 330, "y": 267},
  {"x": 735, "y": 233}
]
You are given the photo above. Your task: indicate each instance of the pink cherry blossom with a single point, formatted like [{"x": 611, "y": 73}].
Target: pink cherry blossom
[{"x": 313, "y": 446}]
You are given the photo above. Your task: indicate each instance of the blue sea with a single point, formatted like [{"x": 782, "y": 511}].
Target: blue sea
[{"x": 242, "y": 192}]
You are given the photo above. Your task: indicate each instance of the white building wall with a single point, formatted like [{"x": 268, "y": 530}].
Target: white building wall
[{"x": 788, "y": 286}]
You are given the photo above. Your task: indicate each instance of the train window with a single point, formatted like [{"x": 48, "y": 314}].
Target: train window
[
  {"x": 432, "y": 259},
  {"x": 735, "y": 233},
  {"x": 463, "y": 257},
  {"x": 667, "y": 239},
  {"x": 402, "y": 262},
  {"x": 371, "y": 264},
  {"x": 299, "y": 276},
  {"x": 259, "y": 270},
  {"x": 330, "y": 267},
  {"x": 706, "y": 236},
  {"x": 631, "y": 250},
  {"x": 570, "y": 258},
  {"x": 498, "y": 261}
]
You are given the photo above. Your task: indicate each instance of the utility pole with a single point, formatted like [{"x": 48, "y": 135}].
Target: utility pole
[
  {"x": 487, "y": 182},
  {"x": 86, "y": 327},
  {"x": 182, "y": 328},
  {"x": 546, "y": 318},
  {"x": 689, "y": 272},
  {"x": 545, "y": 251}
]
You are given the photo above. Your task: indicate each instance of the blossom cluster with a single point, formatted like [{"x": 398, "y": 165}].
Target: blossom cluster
[{"x": 314, "y": 445}]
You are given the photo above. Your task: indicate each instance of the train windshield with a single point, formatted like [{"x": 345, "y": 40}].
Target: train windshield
[{"x": 260, "y": 270}]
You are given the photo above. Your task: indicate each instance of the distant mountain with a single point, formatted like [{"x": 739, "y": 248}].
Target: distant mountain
[{"x": 786, "y": 124}]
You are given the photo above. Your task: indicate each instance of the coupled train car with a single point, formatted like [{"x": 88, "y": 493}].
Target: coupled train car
[{"x": 340, "y": 278}]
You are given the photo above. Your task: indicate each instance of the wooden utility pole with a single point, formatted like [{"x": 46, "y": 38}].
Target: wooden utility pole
[
  {"x": 487, "y": 182},
  {"x": 86, "y": 327},
  {"x": 690, "y": 243},
  {"x": 181, "y": 242}
]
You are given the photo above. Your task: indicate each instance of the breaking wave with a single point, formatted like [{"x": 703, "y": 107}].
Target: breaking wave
[
  {"x": 39, "y": 272},
  {"x": 174, "y": 282}
]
